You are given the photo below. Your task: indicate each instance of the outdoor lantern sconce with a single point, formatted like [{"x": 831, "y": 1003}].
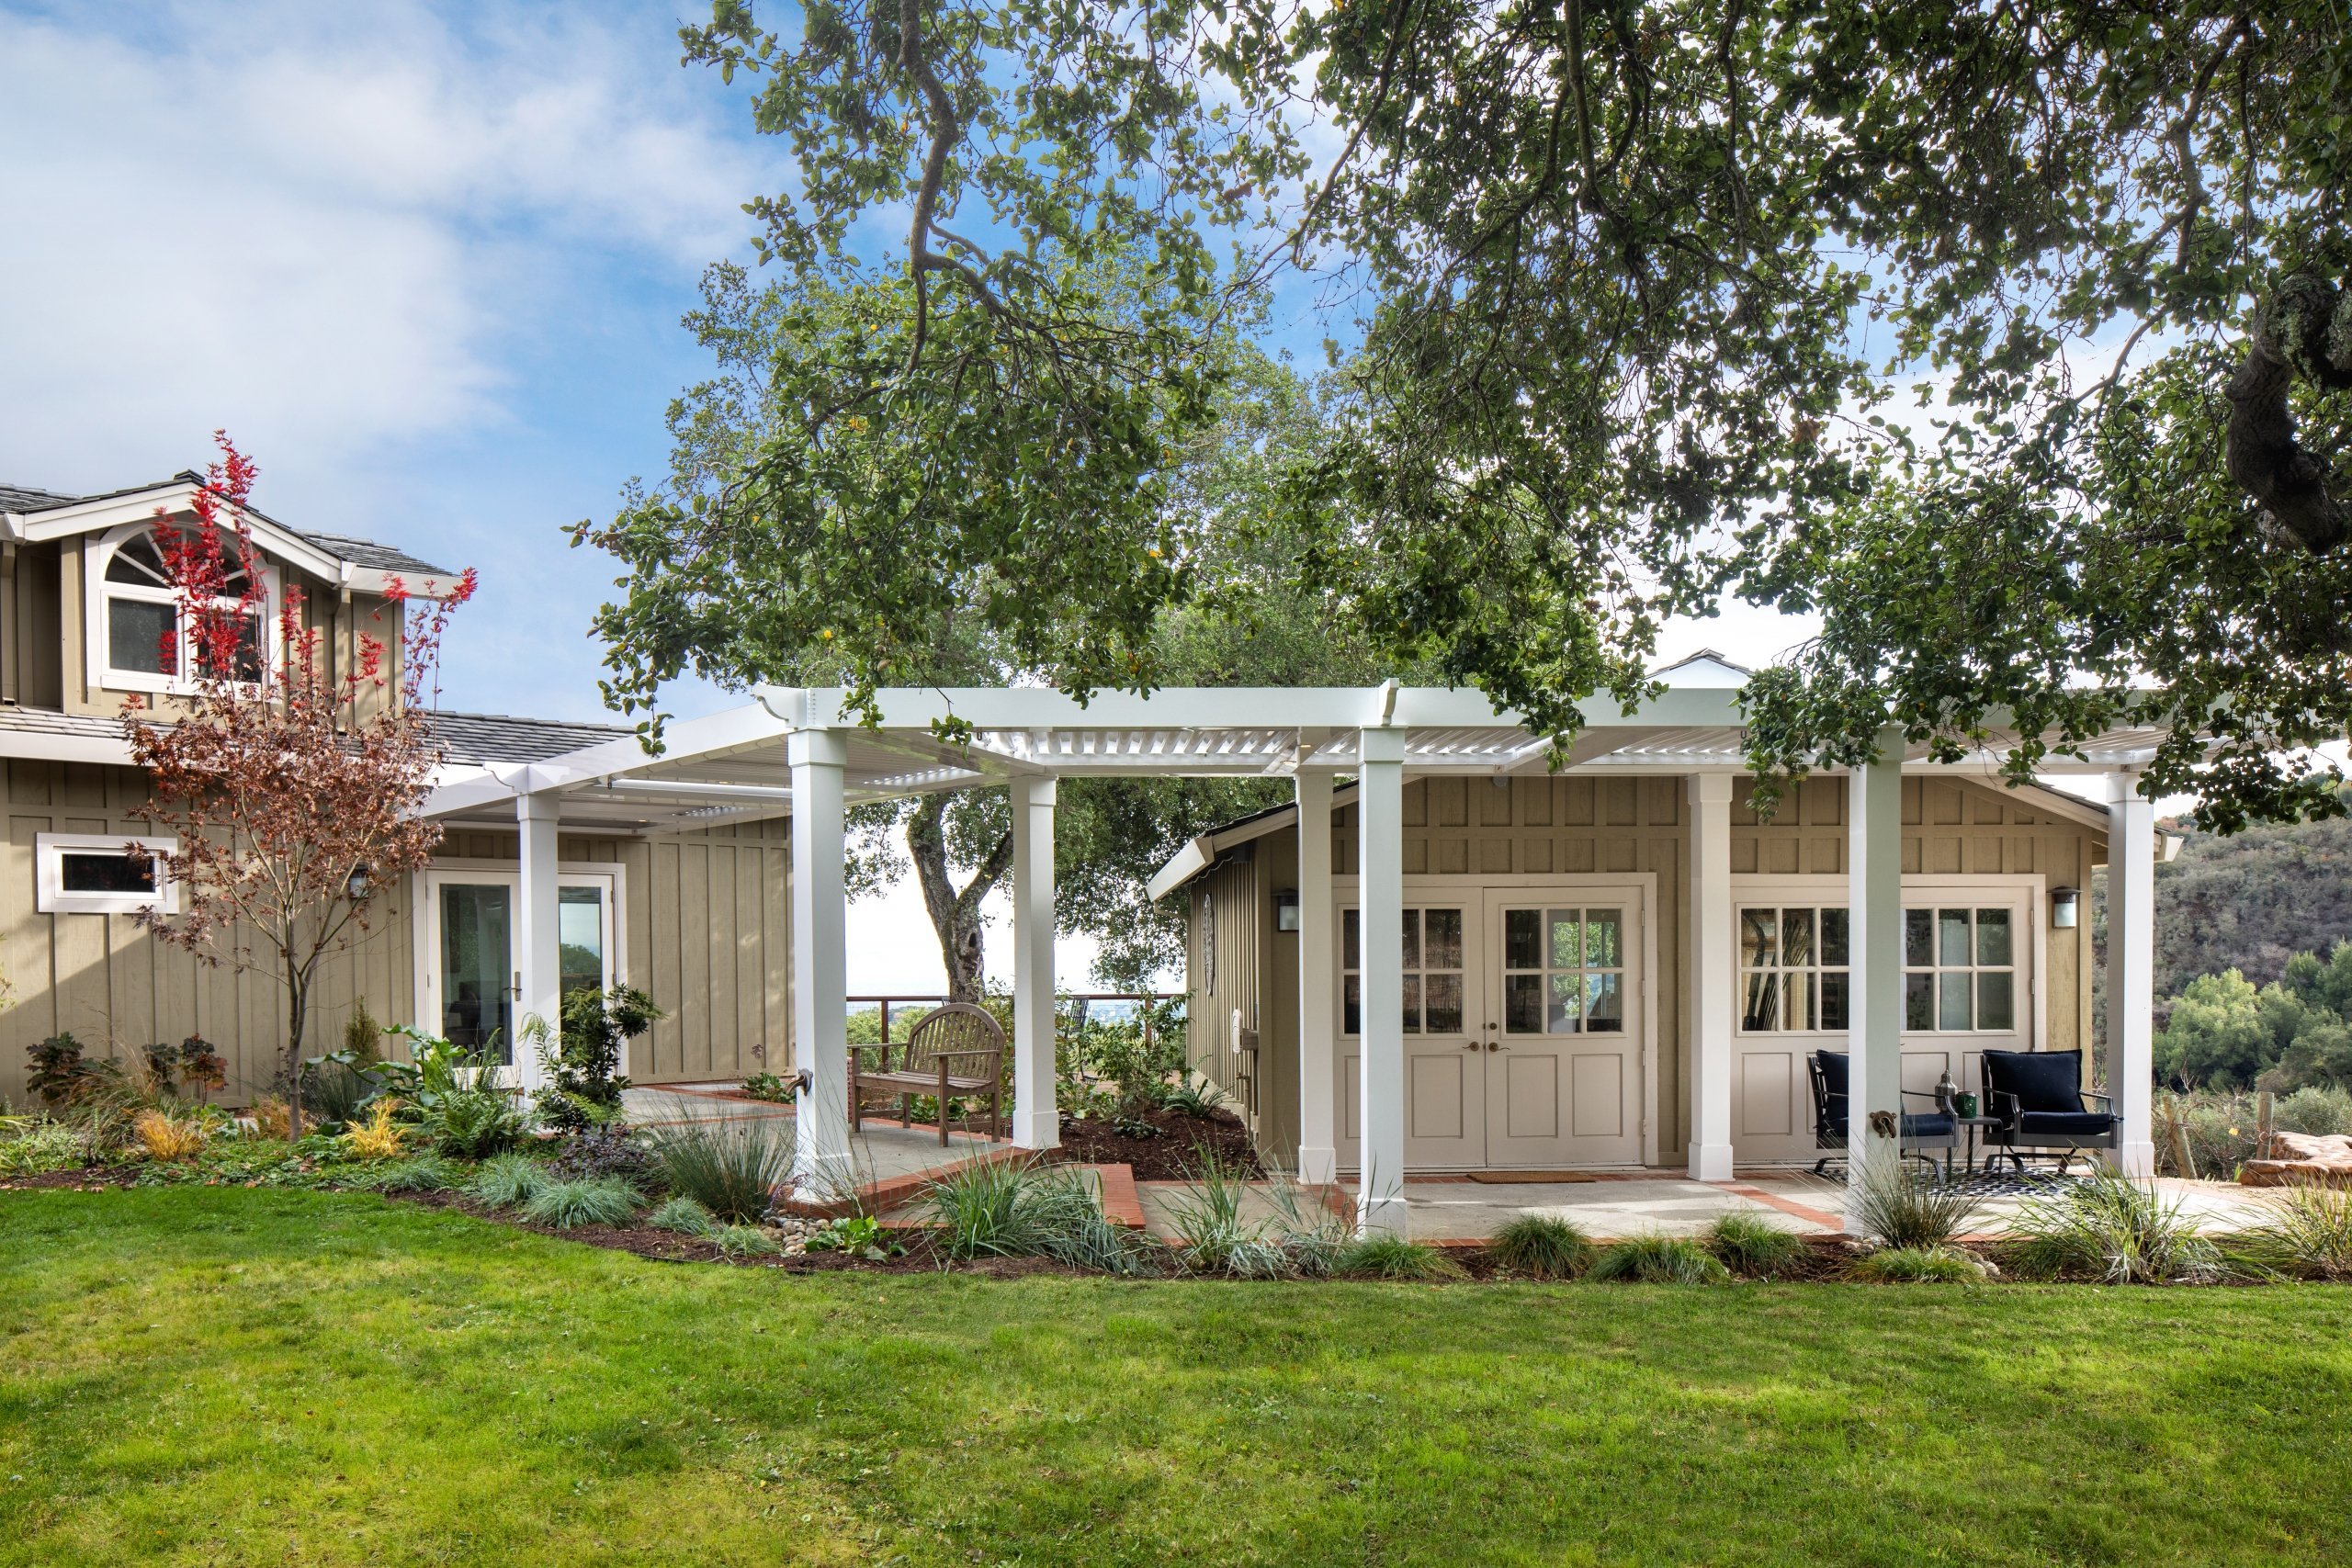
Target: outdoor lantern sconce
[
  {"x": 360, "y": 882},
  {"x": 1286, "y": 909},
  {"x": 2064, "y": 903}
]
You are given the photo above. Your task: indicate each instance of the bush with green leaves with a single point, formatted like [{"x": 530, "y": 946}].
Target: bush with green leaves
[
  {"x": 1020, "y": 1208},
  {"x": 1899, "y": 1205},
  {"x": 1541, "y": 1246},
  {"x": 35, "y": 1146},
  {"x": 2223, "y": 1034},
  {"x": 608, "y": 1151},
  {"x": 2225, "y": 1127},
  {"x": 683, "y": 1216},
  {"x": 1395, "y": 1257},
  {"x": 1140, "y": 1061},
  {"x": 1752, "y": 1245},
  {"x": 583, "y": 1053},
  {"x": 860, "y": 1236},
  {"x": 2110, "y": 1229},
  {"x": 730, "y": 1167},
  {"x": 2306, "y": 1236},
  {"x": 505, "y": 1180},
  {"x": 418, "y": 1173},
  {"x": 1659, "y": 1259},
  {"x": 1194, "y": 1096},
  {"x": 1915, "y": 1266},
  {"x": 568, "y": 1205},
  {"x": 745, "y": 1241}
]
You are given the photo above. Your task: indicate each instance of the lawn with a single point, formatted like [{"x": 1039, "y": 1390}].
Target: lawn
[{"x": 219, "y": 1375}]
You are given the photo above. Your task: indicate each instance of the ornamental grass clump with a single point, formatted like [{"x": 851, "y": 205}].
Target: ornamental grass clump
[
  {"x": 730, "y": 1167},
  {"x": 1395, "y": 1257},
  {"x": 1023, "y": 1209},
  {"x": 1897, "y": 1206},
  {"x": 2307, "y": 1237},
  {"x": 1213, "y": 1236},
  {"x": 1541, "y": 1246},
  {"x": 1753, "y": 1245},
  {"x": 505, "y": 1180},
  {"x": 1658, "y": 1259},
  {"x": 745, "y": 1241},
  {"x": 683, "y": 1217},
  {"x": 2110, "y": 1229},
  {"x": 427, "y": 1172},
  {"x": 1915, "y": 1266},
  {"x": 166, "y": 1136},
  {"x": 378, "y": 1137},
  {"x": 568, "y": 1205}
]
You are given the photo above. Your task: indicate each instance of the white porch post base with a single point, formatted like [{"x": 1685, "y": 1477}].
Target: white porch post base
[
  {"x": 1037, "y": 1129},
  {"x": 1036, "y": 1122},
  {"x": 1711, "y": 1162},
  {"x": 821, "y": 1160},
  {"x": 1317, "y": 1167},
  {"x": 2132, "y": 973},
  {"x": 1383, "y": 1213}
]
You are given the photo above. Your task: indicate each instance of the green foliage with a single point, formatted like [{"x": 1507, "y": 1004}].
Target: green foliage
[
  {"x": 1090, "y": 1050},
  {"x": 683, "y": 1216},
  {"x": 1395, "y": 1257},
  {"x": 363, "y": 1035},
  {"x": 585, "y": 1084},
  {"x": 2112, "y": 1229},
  {"x": 730, "y": 1167},
  {"x": 1541, "y": 1246},
  {"x": 1752, "y": 1245},
  {"x": 337, "y": 1088},
  {"x": 2223, "y": 1126},
  {"x": 1214, "y": 1231},
  {"x": 568, "y": 1205},
  {"x": 418, "y": 1173},
  {"x": 860, "y": 1236},
  {"x": 32, "y": 1146},
  {"x": 1027, "y": 1209},
  {"x": 505, "y": 1180},
  {"x": 1899, "y": 1206},
  {"x": 59, "y": 1074},
  {"x": 1915, "y": 1266},
  {"x": 454, "y": 1094},
  {"x": 2307, "y": 1235},
  {"x": 2223, "y": 1033},
  {"x": 768, "y": 1087},
  {"x": 740, "y": 1242},
  {"x": 1658, "y": 1259},
  {"x": 1196, "y": 1097},
  {"x": 2250, "y": 901}
]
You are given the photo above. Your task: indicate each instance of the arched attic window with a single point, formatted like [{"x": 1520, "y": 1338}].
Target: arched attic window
[{"x": 137, "y": 641}]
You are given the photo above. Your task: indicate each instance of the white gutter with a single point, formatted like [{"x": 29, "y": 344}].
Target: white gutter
[{"x": 1186, "y": 863}]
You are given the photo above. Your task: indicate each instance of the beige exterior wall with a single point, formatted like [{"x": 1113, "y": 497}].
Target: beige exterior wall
[
  {"x": 1545, "y": 826},
  {"x": 705, "y": 924}
]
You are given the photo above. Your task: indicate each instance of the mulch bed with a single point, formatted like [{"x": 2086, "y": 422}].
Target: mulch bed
[{"x": 1171, "y": 1154}]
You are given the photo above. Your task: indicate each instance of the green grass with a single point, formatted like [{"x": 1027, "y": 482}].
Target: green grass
[{"x": 216, "y": 1375}]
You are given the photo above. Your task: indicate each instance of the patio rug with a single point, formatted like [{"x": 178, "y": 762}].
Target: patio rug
[{"x": 1514, "y": 1177}]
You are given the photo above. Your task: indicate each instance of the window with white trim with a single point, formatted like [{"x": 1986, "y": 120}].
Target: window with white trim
[
  {"x": 1433, "y": 975},
  {"x": 1793, "y": 967},
  {"x": 93, "y": 874},
  {"x": 1959, "y": 969},
  {"x": 138, "y": 640}
]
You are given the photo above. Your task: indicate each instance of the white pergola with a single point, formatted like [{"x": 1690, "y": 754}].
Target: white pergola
[{"x": 793, "y": 750}]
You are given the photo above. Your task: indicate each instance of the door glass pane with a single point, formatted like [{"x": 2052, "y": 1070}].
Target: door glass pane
[
  {"x": 1442, "y": 1003},
  {"x": 1567, "y": 939},
  {"x": 1604, "y": 1004},
  {"x": 1956, "y": 1009},
  {"x": 1796, "y": 937},
  {"x": 1993, "y": 937},
  {"x": 1412, "y": 1004},
  {"x": 1833, "y": 1002},
  {"x": 1412, "y": 939},
  {"x": 1350, "y": 941},
  {"x": 1603, "y": 937},
  {"x": 1952, "y": 936},
  {"x": 1918, "y": 937},
  {"x": 1919, "y": 1001},
  {"x": 1351, "y": 1005},
  {"x": 1524, "y": 1003},
  {"x": 142, "y": 637},
  {"x": 1522, "y": 938},
  {"x": 1762, "y": 1007},
  {"x": 1565, "y": 1016},
  {"x": 1833, "y": 937},
  {"x": 1800, "y": 1001},
  {"x": 477, "y": 966},
  {"x": 1759, "y": 938},
  {"x": 580, "y": 938},
  {"x": 1996, "y": 1003},
  {"x": 1443, "y": 940}
]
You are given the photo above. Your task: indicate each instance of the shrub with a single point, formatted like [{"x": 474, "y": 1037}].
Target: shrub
[
  {"x": 1213, "y": 1236},
  {"x": 745, "y": 1241},
  {"x": 379, "y": 1137},
  {"x": 271, "y": 1118},
  {"x": 1661, "y": 1260},
  {"x": 730, "y": 1167},
  {"x": 1899, "y": 1207},
  {"x": 1025, "y": 1209},
  {"x": 583, "y": 1057},
  {"x": 1541, "y": 1246},
  {"x": 1198, "y": 1098},
  {"x": 471, "y": 1123},
  {"x": 168, "y": 1137},
  {"x": 568, "y": 1205},
  {"x": 683, "y": 1216},
  {"x": 422, "y": 1173},
  {"x": 61, "y": 1075},
  {"x": 607, "y": 1151},
  {"x": 363, "y": 1037},
  {"x": 2109, "y": 1228},
  {"x": 1752, "y": 1245},
  {"x": 335, "y": 1090},
  {"x": 861, "y": 1235},
  {"x": 1395, "y": 1257},
  {"x": 1915, "y": 1266},
  {"x": 767, "y": 1086},
  {"x": 37, "y": 1146},
  {"x": 505, "y": 1181},
  {"x": 2307, "y": 1237}
]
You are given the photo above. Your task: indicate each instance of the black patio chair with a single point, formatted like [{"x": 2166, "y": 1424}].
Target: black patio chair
[
  {"x": 2038, "y": 1097},
  {"x": 1922, "y": 1129}
]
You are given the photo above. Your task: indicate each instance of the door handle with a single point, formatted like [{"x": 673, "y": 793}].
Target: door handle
[
  {"x": 1492, "y": 1046},
  {"x": 1473, "y": 1046}
]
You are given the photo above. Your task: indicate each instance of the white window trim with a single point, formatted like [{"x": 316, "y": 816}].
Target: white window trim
[
  {"x": 49, "y": 894},
  {"x": 97, "y": 591}
]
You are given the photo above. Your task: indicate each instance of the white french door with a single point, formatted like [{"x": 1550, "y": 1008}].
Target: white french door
[{"x": 469, "y": 980}]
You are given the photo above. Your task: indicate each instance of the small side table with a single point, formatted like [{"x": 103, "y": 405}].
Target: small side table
[{"x": 1971, "y": 1124}]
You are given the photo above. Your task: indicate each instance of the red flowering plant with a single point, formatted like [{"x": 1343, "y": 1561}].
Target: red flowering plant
[{"x": 291, "y": 790}]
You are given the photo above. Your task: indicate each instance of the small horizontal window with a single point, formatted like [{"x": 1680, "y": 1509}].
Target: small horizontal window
[
  {"x": 95, "y": 874},
  {"x": 89, "y": 871}
]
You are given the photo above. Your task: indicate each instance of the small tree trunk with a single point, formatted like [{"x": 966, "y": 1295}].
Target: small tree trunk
[
  {"x": 2265, "y": 1123},
  {"x": 298, "y": 1001},
  {"x": 954, "y": 915}
]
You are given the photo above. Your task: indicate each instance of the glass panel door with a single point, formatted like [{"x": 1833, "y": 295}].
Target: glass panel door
[
  {"x": 585, "y": 957},
  {"x": 477, "y": 964},
  {"x": 1563, "y": 1056}
]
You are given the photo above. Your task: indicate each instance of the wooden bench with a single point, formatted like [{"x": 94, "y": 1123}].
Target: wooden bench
[{"x": 955, "y": 1049}]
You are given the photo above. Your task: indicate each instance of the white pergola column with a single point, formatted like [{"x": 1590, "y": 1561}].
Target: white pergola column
[
  {"x": 1874, "y": 1022},
  {"x": 2132, "y": 970},
  {"x": 1380, "y": 859},
  {"x": 1318, "y": 976},
  {"x": 1711, "y": 977},
  {"x": 820, "y": 960},
  {"x": 538, "y": 983},
  {"x": 1036, "y": 1122}
]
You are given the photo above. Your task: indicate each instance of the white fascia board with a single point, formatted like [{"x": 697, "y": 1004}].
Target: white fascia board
[
  {"x": 96, "y": 516},
  {"x": 1201, "y": 853},
  {"x": 1181, "y": 867},
  {"x": 1221, "y": 707},
  {"x": 49, "y": 747}
]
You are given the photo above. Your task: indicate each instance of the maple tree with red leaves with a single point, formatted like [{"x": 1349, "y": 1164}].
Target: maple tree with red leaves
[{"x": 280, "y": 780}]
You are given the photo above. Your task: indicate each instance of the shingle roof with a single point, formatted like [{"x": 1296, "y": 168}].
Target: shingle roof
[
  {"x": 496, "y": 738},
  {"x": 341, "y": 546}
]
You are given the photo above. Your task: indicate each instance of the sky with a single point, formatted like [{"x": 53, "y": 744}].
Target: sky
[{"x": 427, "y": 265}]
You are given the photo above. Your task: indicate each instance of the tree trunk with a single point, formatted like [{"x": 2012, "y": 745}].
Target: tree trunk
[
  {"x": 298, "y": 1006},
  {"x": 954, "y": 915},
  {"x": 2302, "y": 331}
]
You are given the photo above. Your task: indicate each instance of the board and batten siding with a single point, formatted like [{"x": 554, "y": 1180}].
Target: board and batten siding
[{"x": 706, "y": 927}]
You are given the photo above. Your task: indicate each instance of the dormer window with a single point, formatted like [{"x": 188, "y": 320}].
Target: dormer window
[{"x": 138, "y": 638}]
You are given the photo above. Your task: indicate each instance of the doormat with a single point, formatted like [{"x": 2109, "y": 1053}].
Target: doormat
[{"x": 1513, "y": 1177}]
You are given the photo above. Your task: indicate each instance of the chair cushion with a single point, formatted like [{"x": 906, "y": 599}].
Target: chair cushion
[
  {"x": 1926, "y": 1124},
  {"x": 2065, "y": 1123},
  {"x": 1833, "y": 1072},
  {"x": 2041, "y": 1080}
]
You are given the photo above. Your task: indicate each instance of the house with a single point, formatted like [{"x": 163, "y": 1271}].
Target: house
[{"x": 681, "y": 898}]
